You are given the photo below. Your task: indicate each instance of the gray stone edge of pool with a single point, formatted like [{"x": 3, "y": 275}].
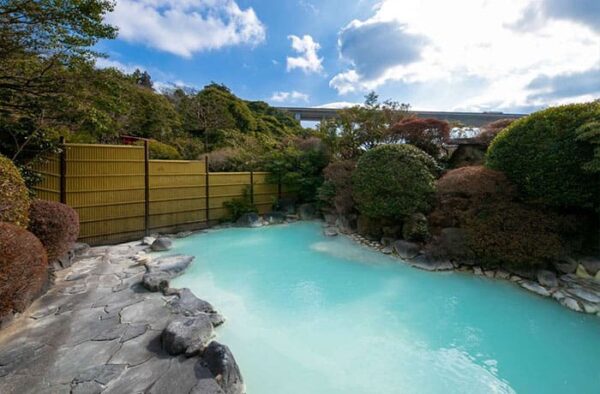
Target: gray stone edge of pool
[{"x": 101, "y": 329}]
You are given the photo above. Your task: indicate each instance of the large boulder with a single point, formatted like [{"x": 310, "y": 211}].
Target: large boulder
[
  {"x": 187, "y": 304},
  {"x": 453, "y": 244},
  {"x": 566, "y": 266},
  {"x": 428, "y": 264},
  {"x": 188, "y": 335},
  {"x": 156, "y": 281},
  {"x": 250, "y": 219},
  {"x": 274, "y": 217},
  {"x": 221, "y": 363},
  {"x": 307, "y": 211},
  {"x": 172, "y": 265},
  {"x": 161, "y": 244},
  {"x": 547, "y": 278},
  {"x": 405, "y": 249},
  {"x": 346, "y": 224},
  {"x": 286, "y": 205},
  {"x": 591, "y": 265}
]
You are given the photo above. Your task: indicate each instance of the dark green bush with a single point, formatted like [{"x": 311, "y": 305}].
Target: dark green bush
[
  {"x": 549, "y": 158},
  {"x": 56, "y": 225},
  {"x": 23, "y": 269},
  {"x": 394, "y": 181},
  {"x": 239, "y": 206},
  {"x": 14, "y": 197}
]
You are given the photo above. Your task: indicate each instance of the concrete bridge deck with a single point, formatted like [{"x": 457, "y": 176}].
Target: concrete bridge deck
[{"x": 469, "y": 119}]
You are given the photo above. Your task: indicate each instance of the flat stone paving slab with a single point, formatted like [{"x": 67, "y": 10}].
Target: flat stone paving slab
[{"x": 98, "y": 330}]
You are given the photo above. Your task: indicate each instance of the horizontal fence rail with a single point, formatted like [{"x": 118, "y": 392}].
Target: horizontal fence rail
[{"x": 121, "y": 195}]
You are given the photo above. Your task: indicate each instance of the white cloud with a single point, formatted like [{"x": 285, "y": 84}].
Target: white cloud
[
  {"x": 293, "y": 96},
  {"x": 184, "y": 27},
  {"x": 308, "y": 60},
  {"x": 478, "y": 43},
  {"x": 111, "y": 63}
]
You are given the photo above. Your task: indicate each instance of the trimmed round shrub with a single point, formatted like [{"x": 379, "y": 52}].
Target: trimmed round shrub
[
  {"x": 507, "y": 233},
  {"x": 339, "y": 175},
  {"x": 56, "y": 225},
  {"x": 464, "y": 188},
  {"x": 161, "y": 151},
  {"x": 14, "y": 196},
  {"x": 543, "y": 156},
  {"x": 23, "y": 269},
  {"x": 394, "y": 181}
]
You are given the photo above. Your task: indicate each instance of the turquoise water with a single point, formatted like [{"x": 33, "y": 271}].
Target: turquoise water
[{"x": 309, "y": 314}]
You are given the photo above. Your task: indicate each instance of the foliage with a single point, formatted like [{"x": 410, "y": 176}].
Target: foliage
[
  {"x": 23, "y": 269},
  {"x": 56, "y": 225},
  {"x": 491, "y": 130},
  {"x": 589, "y": 133},
  {"x": 465, "y": 188},
  {"x": 362, "y": 127},
  {"x": 39, "y": 40},
  {"x": 240, "y": 206},
  {"x": 426, "y": 134},
  {"x": 515, "y": 235},
  {"x": 298, "y": 163},
  {"x": 14, "y": 197},
  {"x": 336, "y": 191},
  {"x": 161, "y": 151},
  {"x": 394, "y": 181},
  {"x": 548, "y": 156},
  {"x": 415, "y": 228}
]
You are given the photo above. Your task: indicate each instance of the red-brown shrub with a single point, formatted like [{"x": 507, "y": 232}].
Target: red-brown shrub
[
  {"x": 23, "y": 268},
  {"x": 463, "y": 189},
  {"x": 339, "y": 174},
  {"x": 56, "y": 225},
  {"x": 491, "y": 130},
  {"x": 512, "y": 234},
  {"x": 426, "y": 134}
]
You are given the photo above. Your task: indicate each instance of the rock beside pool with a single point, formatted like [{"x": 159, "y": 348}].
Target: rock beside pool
[
  {"x": 161, "y": 244},
  {"x": 405, "y": 249},
  {"x": 148, "y": 240},
  {"x": 591, "y": 265},
  {"x": 307, "y": 212},
  {"x": 156, "y": 281},
  {"x": 274, "y": 217},
  {"x": 250, "y": 219},
  {"x": 535, "y": 288},
  {"x": 187, "y": 304},
  {"x": 330, "y": 232},
  {"x": 425, "y": 263},
  {"x": 567, "y": 266},
  {"x": 222, "y": 365},
  {"x": 172, "y": 265},
  {"x": 547, "y": 278},
  {"x": 187, "y": 335}
]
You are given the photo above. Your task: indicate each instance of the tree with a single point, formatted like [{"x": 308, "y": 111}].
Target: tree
[
  {"x": 428, "y": 135},
  {"x": 39, "y": 41},
  {"x": 142, "y": 78},
  {"x": 362, "y": 127}
]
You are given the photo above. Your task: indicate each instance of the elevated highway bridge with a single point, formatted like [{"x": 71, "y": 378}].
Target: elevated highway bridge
[{"x": 468, "y": 119}]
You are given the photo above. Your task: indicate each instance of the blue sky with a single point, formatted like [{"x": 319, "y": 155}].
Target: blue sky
[{"x": 433, "y": 54}]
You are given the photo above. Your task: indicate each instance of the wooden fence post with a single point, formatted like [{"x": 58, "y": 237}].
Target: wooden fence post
[
  {"x": 206, "y": 182},
  {"x": 251, "y": 186},
  {"x": 63, "y": 171},
  {"x": 146, "y": 188}
]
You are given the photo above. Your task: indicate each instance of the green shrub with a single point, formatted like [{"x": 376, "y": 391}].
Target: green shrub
[
  {"x": 23, "y": 269},
  {"x": 14, "y": 197},
  {"x": 239, "y": 206},
  {"x": 545, "y": 155},
  {"x": 161, "y": 151},
  {"x": 394, "y": 181},
  {"x": 56, "y": 225}
]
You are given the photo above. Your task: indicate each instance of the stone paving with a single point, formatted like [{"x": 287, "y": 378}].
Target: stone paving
[{"x": 98, "y": 330}]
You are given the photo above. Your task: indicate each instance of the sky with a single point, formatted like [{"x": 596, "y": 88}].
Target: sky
[{"x": 460, "y": 55}]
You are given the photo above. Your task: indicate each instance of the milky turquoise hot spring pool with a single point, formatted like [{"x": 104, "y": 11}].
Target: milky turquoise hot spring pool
[{"x": 310, "y": 314}]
